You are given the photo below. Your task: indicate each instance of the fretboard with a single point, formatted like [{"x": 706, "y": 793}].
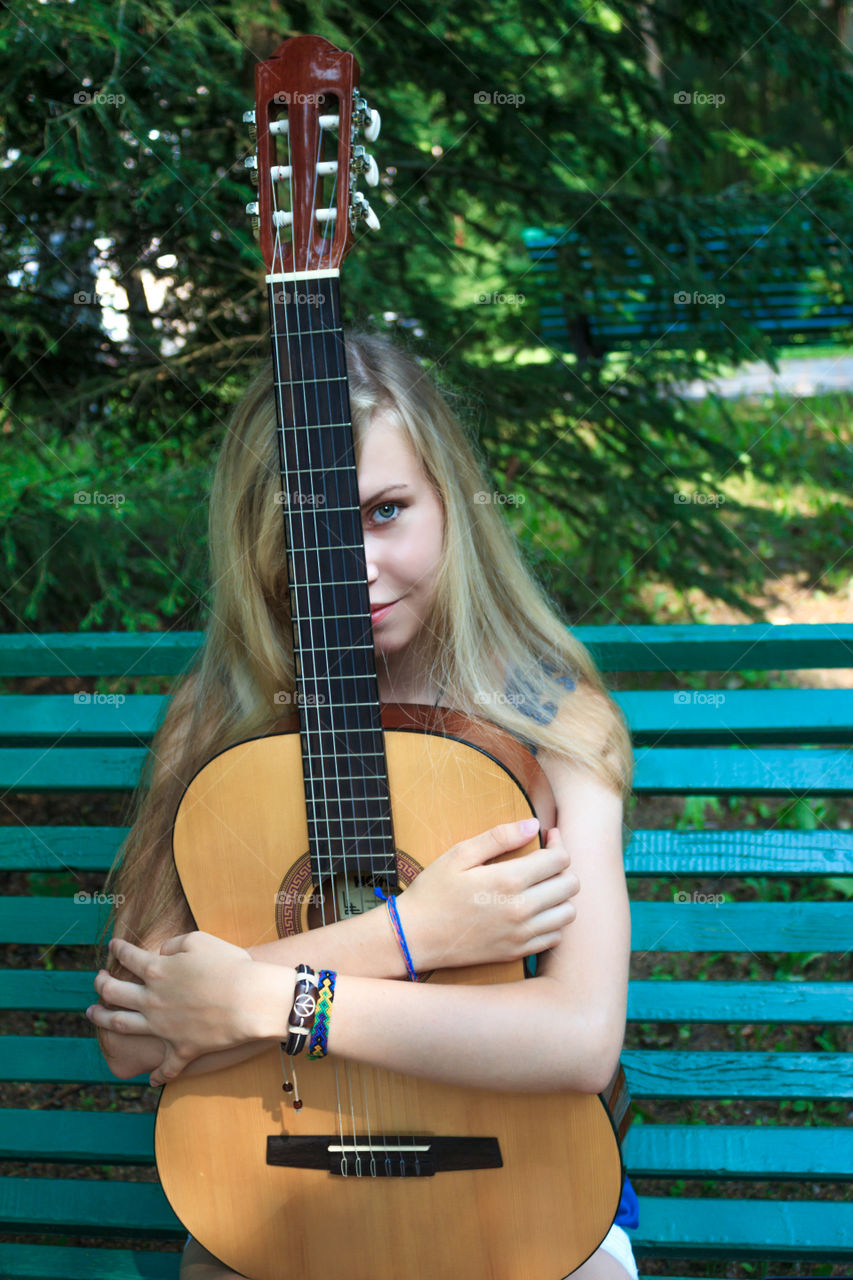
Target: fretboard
[{"x": 343, "y": 754}]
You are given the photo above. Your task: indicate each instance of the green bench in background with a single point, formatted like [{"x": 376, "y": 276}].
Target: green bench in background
[
  {"x": 790, "y": 303},
  {"x": 753, "y": 742}
]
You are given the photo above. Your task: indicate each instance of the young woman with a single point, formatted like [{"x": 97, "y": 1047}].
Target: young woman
[{"x": 459, "y": 621}]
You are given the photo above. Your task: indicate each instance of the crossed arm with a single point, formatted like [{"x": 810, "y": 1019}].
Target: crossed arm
[{"x": 202, "y": 1003}]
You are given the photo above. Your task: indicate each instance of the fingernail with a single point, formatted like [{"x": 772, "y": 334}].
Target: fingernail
[{"x": 529, "y": 826}]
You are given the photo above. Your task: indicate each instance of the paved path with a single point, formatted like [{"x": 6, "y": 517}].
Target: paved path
[{"x": 798, "y": 376}]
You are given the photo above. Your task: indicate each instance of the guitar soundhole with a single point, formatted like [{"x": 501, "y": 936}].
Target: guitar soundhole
[{"x": 302, "y": 904}]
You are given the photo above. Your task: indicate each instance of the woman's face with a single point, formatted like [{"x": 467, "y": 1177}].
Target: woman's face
[{"x": 403, "y": 525}]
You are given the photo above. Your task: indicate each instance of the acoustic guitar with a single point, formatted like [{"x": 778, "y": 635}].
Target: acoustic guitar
[{"x": 379, "y": 1175}]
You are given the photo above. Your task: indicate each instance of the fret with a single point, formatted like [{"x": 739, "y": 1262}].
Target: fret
[
  {"x": 301, "y": 382},
  {"x": 336, "y": 546},
  {"x": 321, "y": 470},
  {"x": 327, "y": 648},
  {"x": 302, "y": 333},
  {"x": 327, "y": 582},
  {"x": 314, "y": 426}
]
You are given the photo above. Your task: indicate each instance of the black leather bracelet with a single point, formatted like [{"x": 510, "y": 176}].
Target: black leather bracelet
[{"x": 304, "y": 1008}]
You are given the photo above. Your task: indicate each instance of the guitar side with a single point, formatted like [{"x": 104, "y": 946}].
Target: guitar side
[{"x": 240, "y": 832}]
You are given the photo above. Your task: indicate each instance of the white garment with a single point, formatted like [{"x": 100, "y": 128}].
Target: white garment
[{"x": 618, "y": 1244}]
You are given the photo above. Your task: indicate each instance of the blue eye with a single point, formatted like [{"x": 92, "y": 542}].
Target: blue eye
[{"x": 385, "y": 506}]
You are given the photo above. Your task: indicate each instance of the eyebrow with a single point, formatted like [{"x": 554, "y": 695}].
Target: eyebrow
[{"x": 389, "y": 488}]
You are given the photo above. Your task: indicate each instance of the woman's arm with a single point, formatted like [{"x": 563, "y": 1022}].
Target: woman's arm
[
  {"x": 203, "y": 995},
  {"x": 455, "y": 914}
]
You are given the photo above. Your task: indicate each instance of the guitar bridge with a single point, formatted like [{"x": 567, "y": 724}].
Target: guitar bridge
[{"x": 403, "y": 1157}]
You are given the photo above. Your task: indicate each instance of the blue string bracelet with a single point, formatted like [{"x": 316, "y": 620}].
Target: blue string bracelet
[
  {"x": 319, "y": 1044},
  {"x": 394, "y": 917}
]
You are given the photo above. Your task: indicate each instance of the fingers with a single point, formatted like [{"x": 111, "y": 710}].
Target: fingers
[
  {"x": 135, "y": 959},
  {"x": 500, "y": 839},
  {"x": 122, "y": 1021},
  {"x": 115, "y": 991},
  {"x": 172, "y": 946}
]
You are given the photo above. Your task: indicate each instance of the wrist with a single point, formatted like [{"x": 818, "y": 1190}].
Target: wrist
[
  {"x": 417, "y": 938},
  {"x": 269, "y": 1000}
]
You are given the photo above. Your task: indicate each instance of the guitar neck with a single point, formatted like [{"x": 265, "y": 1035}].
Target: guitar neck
[{"x": 343, "y": 752}]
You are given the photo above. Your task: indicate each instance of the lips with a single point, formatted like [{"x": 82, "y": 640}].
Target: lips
[{"x": 377, "y": 610}]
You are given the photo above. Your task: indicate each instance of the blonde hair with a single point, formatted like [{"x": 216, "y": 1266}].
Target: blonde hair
[{"x": 501, "y": 640}]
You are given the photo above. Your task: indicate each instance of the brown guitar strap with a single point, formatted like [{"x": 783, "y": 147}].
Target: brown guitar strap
[{"x": 618, "y": 1101}]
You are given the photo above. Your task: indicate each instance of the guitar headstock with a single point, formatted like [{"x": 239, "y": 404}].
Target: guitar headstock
[{"x": 307, "y": 119}]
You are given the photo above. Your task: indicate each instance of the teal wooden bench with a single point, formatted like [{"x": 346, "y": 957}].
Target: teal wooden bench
[
  {"x": 629, "y": 309},
  {"x": 81, "y": 1179}
]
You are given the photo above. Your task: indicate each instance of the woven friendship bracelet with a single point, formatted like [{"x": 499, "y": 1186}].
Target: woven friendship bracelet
[
  {"x": 393, "y": 916},
  {"x": 301, "y": 1018},
  {"x": 319, "y": 1044}
]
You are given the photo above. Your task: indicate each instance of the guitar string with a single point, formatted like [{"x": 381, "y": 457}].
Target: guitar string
[
  {"x": 279, "y": 254},
  {"x": 354, "y": 607},
  {"x": 324, "y": 474},
  {"x": 332, "y": 471}
]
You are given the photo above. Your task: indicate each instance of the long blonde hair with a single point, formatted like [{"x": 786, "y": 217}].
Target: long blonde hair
[{"x": 503, "y": 642}]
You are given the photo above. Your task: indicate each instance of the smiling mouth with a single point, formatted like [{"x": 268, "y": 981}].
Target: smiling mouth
[{"x": 375, "y": 610}]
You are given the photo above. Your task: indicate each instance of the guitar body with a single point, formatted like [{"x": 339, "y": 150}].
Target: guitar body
[{"x": 240, "y": 844}]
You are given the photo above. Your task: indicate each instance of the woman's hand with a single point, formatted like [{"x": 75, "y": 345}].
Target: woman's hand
[
  {"x": 197, "y": 994},
  {"x": 465, "y": 910}
]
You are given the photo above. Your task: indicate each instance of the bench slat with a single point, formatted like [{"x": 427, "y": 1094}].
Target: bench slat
[
  {"x": 87, "y": 1206},
  {"x": 650, "y": 1150},
  {"x": 671, "y": 1227},
  {"x": 656, "y": 926},
  {"x": 659, "y": 1073},
  {"x": 47, "y": 1262},
  {"x": 719, "y": 1000},
  {"x": 755, "y": 853},
  {"x": 649, "y": 852},
  {"x": 77, "y": 1137},
  {"x": 653, "y": 1000},
  {"x": 651, "y": 1073},
  {"x": 759, "y": 646},
  {"x": 663, "y": 770},
  {"x": 739, "y": 1151},
  {"x": 666, "y": 717},
  {"x": 44, "y": 990}
]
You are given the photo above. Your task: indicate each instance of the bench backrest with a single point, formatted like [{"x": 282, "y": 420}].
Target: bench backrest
[
  {"x": 789, "y": 743},
  {"x": 788, "y": 303}
]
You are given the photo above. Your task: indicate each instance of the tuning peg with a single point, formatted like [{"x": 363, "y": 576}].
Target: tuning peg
[
  {"x": 249, "y": 119},
  {"x": 371, "y": 133},
  {"x": 362, "y": 212},
  {"x": 363, "y": 162},
  {"x": 251, "y": 163}
]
